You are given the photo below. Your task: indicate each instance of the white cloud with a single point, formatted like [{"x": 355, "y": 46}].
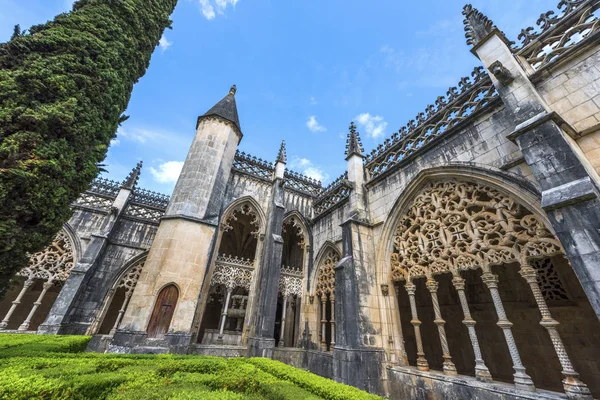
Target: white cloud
[
  {"x": 306, "y": 167},
  {"x": 115, "y": 142},
  {"x": 374, "y": 125},
  {"x": 137, "y": 135},
  {"x": 210, "y": 8},
  {"x": 167, "y": 172},
  {"x": 164, "y": 43},
  {"x": 313, "y": 125}
]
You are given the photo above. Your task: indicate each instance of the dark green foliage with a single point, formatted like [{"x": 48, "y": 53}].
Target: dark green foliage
[
  {"x": 32, "y": 367},
  {"x": 63, "y": 88}
]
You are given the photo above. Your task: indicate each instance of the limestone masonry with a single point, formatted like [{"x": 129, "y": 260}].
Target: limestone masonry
[{"x": 459, "y": 259}]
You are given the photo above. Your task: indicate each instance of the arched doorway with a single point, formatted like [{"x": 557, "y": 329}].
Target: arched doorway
[
  {"x": 163, "y": 312},
  {"x": 38, "y": 285},
  {"x": 287, "y": 319},
  {"x": 469, "y": 251},
  {"x": 325, "y": 291},
  {"x": 224, "y": 316}
]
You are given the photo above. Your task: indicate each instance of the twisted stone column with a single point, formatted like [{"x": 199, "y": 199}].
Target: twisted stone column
[
  {"x": 422, "y": 364},
  {"x": 323, "y": 321},
  {"x": 26, "y": 285},
  {"x": 121, "y": 312},
  {"x": 25, "y": 325},
  {"x": 574, "y": 388},
  {"x": 481, "y": 370},
  {"x": 448, "y": 365},
  {"x": 282, "y": 332},
  {"x": 522, "y": 380},
  {"x": 332, "y": 320}
]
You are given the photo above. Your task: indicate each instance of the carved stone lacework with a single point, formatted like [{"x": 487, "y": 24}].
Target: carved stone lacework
[
  {"x": 131, "y": 278},
  {"x": 336, "y": 192},
  {"x": 235, "y": 260},
  {"x": 232, "y": 276},
  {"x": 453, "y": 226},
  {"x": 150, "y": 198},
  {"x": 88, "y": 199},
  {"x": 549, "y": 281},
  {"x": 144, "y": 212},
  {"x": 293, "y": 224},
  {"x": 105, "y": 187},
  {"x": 557, "y": 33},
  {"x": 473, "y": 94},
  {"x": 54, "y": 263},
  {"x": 251, "y": 165},
  {"x": 243, "y": 209},
  {"x": 326, "y": 277},
  {"x": 290, "y": 285},
  {"x": 299, "y": 182}
]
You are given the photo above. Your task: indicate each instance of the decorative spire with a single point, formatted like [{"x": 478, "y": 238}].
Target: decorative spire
[
  {"x": 282, "y": 156},
  {"x": 477, "y": 25},
  {"x": 353, "y": 142},
  {"x": 226, "y": 109},
  {"x": 132, "y": 179}
]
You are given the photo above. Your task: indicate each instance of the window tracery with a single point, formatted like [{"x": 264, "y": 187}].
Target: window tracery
[
  {"x": 549, "y": 281},
  {"x": 453, "y": 225},
  {"x": 293, "y": 225},
  {"x": 130, "y": 279},
  {"x": 243, "y": 209},
  {"x": 54, "y": 263},
  {"x": 326, "y": 277}
]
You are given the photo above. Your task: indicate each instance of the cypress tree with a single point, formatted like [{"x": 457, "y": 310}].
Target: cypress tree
[{"x": 64, "y": 87}]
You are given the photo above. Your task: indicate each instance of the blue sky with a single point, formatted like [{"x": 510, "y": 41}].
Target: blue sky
[{"x": 304, "y": 69}]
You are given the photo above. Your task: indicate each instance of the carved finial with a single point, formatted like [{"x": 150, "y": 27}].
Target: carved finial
[
  {"x": 353, "y": 142},
  {"x": 133, "y": 177},
  {"x": 232, "y": 90},
  {"x": 477, "y": 25},
  {"x": 282, "y": 156}
]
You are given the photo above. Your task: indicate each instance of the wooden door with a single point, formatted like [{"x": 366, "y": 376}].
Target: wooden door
[{"x": 163, "y": 312}]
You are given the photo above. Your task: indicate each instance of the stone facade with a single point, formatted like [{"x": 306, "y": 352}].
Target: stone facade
[{"x": 457, "y": 260}]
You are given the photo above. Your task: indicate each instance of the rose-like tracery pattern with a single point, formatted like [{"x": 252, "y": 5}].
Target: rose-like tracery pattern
[
  {"x": 54, "y": 263},
  {"x": 326, "y": 277},
  {"x": 455, "y": 225}
]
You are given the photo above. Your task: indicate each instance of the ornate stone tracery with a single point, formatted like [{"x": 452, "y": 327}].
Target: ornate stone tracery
[
  {"x": 54, "y": 263},
  {"x": 294, "y": 226},
  {"x": 243, "y": 209},
  {"x": 453, "y": 226},
  {"x": 130, "y": 279},
  {"x": 326, "y": 277},
  {"x": 232, "y": 276}
]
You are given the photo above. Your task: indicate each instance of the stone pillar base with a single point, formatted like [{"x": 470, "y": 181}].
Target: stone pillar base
[
  {"x": 139, "y": 343},
  {"x": 261, "y": 347},
  {"x": 361, "y": 368}
]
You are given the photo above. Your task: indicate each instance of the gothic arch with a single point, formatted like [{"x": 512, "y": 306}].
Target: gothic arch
[
  {"x": 75, "y": 242},
  {"x": 511, "y": 186},
  {"x": 126, "y": 278},
  {"x": 301, "y": 223},
  {"x": 238, "y": 206},
  {"x": 319, "y": 259}
]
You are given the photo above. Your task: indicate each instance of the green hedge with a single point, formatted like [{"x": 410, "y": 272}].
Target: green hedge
[{"x": 54, "y": 367}]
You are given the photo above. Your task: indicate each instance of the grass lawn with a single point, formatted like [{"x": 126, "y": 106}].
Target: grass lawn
[{"x": 55, "y": 367}]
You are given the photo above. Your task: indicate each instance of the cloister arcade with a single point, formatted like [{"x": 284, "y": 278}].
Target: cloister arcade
[
  {"x": 464, "y": 250},
  {"x": 36, "y": 287}
]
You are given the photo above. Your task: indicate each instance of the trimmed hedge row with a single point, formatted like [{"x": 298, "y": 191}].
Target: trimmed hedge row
[
  {"x": 53, "y": 367},
  {"x": 326, "y": 388}
]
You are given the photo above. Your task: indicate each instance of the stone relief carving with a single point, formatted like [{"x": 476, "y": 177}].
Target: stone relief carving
[
  {"x": 454, "y": 226},
  {"x": 326, "y": 277},
  {"x": 54, "y": 263}
]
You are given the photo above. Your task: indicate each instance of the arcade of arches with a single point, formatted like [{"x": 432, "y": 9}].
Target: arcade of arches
[
  {"x": 465, "y": 251},
  {"x": 482, "y": 288}
]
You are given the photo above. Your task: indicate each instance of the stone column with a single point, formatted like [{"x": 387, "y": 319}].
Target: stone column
[
  {"x": 481, "y": 370},
  {"x": 224, "y": 314},
  {"x": 121, "y": 312},
  {"x": 15, "y": 303},
  {"x": 25, "y": 325},
  {"x": 332, "y": 320},
  {"x": 422, "y": 364},
  {"x": 573, "y": 386},
  {"x": 283, "y": 311},
  {"x": 522, "y": 380},
  {"x": 448, "y": 365},
  {"x": 569, "y": 184},
  {"x": 323, "y": 322}
]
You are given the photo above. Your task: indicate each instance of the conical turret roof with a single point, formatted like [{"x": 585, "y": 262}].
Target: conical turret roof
[{"x": 226, "y": 108}]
